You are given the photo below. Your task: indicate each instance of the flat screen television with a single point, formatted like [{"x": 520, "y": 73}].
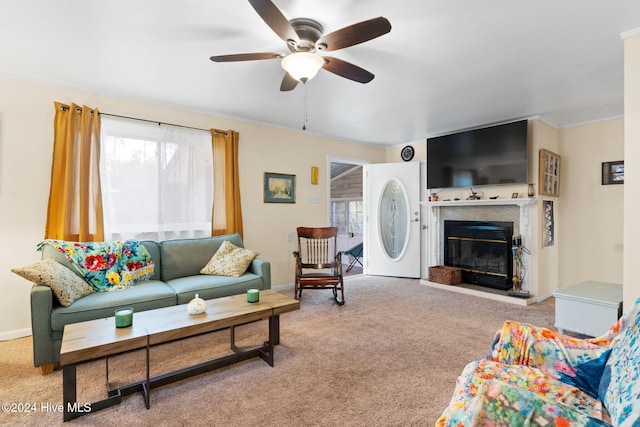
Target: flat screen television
[{"x": 489, "y": 156}]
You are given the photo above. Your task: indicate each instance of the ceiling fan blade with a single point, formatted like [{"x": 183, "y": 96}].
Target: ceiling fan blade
[
  {"x": 275, "y": 19},
  {"x": 354, "y": 34},
  {"x": 347, "y": 70},
  {"x": 246, "y": 57},
  {"x": 288, "y": 83}
]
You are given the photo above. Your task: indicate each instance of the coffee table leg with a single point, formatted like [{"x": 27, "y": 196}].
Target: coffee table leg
[
  {"x": 68, "y": 391},
  {"x": 274, "y": 336},
  {"x": 232, "y": 332},
  {"x": 276, "y": 321},
  {"x": 146, "y": 386},
  {"x": 106, "y": 367}
]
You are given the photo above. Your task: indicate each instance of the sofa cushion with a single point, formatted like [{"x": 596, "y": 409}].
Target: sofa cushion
[
  {"x": 209, "y": 287},
  {"x": 578, "y": 362},
  {"x": 620, "y": 383},
  {"x": 145, "y": 295},
  {"x": 186, "y": 257},
  {"x": 49, "y": 251},
  {"x": 501, "y": 404},
  {"x": 229, "y": 260},
  {"x": 153, "y": 248},
  {"x": 526, "y": 344},
  {"x": 541, "y": 382},
  {"x": 65, "y": 284},
  {"x": 585, "y": 376}
]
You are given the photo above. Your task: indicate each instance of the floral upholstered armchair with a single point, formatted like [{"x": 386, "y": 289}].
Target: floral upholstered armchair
[{"x": 538, "y": 377}]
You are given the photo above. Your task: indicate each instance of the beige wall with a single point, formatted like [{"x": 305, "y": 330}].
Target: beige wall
[
  {"x": 632, "y": 163},
  {"x": 26, "y": 134},
  {"x": 592, "y": 213}
]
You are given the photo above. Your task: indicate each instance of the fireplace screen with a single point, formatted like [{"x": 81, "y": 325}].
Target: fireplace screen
[{"x": 482, "y": 249}]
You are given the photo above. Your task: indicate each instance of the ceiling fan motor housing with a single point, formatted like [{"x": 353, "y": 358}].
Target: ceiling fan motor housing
[{"x": 309, "y": 31}]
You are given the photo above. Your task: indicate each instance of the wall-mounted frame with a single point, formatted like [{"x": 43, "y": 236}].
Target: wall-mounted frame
[
  {"x": 613, "y": 172},
  {"x": 549, "y": 177},
  {"x": 279, "y": 188},
  {"x": 548, "y": 227}
]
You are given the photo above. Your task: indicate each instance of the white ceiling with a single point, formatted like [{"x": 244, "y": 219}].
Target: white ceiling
[{"x": 445, "y": 65}]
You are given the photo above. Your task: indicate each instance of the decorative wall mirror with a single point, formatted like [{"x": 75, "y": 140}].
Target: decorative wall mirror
[{"x": 549, "y": 178}]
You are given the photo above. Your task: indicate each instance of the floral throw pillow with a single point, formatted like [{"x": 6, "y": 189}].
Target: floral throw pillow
[
  {"x": 620, "y": 384},
  {"x": 66, "y": 285},
  {"x": 106, "y": 266},
  {"x": 229, "y": 260}
]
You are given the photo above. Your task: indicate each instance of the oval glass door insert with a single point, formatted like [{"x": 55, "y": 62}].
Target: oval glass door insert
[{"x": 393, "y": 219}]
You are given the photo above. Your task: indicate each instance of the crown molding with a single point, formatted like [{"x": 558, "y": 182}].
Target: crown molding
[{"x": 631, "y": 33}]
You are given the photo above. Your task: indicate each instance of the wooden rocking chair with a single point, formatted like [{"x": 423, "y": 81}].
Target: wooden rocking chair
[{"x": 318, "y": 263}]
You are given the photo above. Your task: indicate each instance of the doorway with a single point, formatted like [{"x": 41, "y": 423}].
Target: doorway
[{"x": 346, "y": 209}]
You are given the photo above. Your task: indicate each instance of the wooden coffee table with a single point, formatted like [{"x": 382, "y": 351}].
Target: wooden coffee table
[{"x": 85, "y": 341}]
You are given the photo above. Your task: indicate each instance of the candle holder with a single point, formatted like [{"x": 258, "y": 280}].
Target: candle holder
[
  {"x": 124, "y": 317},
  {"x": 253, "y": 295}
]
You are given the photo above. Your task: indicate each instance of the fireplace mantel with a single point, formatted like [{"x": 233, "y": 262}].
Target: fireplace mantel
[{"x": 482, "y": 202}]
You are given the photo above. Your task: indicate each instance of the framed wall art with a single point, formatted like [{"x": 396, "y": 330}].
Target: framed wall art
[
  {"x": 613, "y": 172},
  {"x": 279, "y": 188},
  {"x": 549, "y": 177},
  {"x": 548, "y": 227}
]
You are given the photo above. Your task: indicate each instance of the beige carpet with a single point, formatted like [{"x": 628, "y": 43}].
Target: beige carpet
[{"x": 389, "y": 357}]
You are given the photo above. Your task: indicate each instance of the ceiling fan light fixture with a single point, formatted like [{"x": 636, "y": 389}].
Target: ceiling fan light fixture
[{"x": 302, "y": 66}]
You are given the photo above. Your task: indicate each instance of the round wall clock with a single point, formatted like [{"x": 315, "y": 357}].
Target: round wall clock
[{"x": 407, "y": 153}]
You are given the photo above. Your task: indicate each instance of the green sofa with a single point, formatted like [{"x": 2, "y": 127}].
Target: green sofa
[{"x": 176, "y": 280}]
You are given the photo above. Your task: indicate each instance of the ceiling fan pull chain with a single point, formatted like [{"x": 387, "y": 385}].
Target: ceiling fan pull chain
[{"x": 306, "y": 116}]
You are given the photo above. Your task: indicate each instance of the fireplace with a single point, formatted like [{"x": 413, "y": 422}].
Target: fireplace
[{"x": 482, "y": 249}]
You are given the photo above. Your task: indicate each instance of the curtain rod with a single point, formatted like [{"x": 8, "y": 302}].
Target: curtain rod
[{"x": 162, "y": 123}]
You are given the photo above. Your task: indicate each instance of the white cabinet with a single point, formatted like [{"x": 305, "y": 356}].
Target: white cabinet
[{"x": 588, "y": 308}]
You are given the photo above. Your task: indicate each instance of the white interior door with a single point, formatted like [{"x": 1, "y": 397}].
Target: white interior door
[{"x": 392, "y": 219}]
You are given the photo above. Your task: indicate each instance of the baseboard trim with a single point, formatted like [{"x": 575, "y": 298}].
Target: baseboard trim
[
  {"x": 16, "y": 333},
  {"x": 543, "y": 297}
]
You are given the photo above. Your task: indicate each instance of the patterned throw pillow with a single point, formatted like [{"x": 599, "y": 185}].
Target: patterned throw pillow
[
  {"x": 229, "y": 260},
  {"x": 620, "y": 384},
  {"x": 65, "y": 284}
]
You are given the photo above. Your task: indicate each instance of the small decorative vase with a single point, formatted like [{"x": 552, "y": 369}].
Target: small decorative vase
[
  {"x": 531, "y": 192},
  {"x": 196, "y": 306}
]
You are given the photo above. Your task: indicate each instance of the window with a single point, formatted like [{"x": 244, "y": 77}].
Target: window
[
  {"x": 347, "y": 216},
  {"x": 157, "y": 180}
]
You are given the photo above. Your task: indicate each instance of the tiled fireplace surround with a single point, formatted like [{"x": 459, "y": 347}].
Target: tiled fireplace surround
[{"x": 519, "y": 211}]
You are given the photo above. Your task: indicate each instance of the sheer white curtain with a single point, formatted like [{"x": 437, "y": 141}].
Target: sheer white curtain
[{"x": 157, "y": 180}]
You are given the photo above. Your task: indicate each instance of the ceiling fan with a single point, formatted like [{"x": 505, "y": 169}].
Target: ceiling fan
[{"x": 304, "y": 39}]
